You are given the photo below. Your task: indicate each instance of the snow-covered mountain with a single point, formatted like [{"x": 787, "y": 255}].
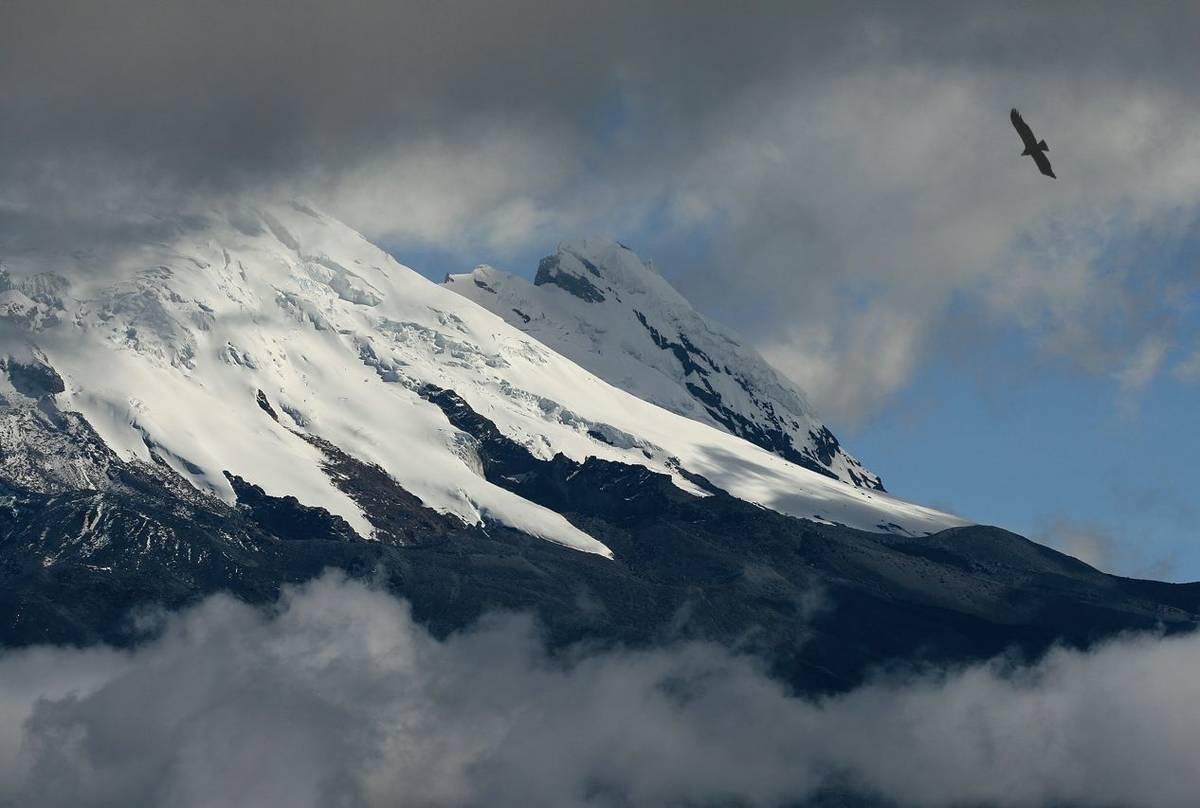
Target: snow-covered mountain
[
  {"x": 231, "y": 400},
  {"x": 236, "y": 343},
  {"x": 595, "y": 302}
]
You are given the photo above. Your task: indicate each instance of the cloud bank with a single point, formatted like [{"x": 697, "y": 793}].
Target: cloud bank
[{"x": 336, "y": 697}]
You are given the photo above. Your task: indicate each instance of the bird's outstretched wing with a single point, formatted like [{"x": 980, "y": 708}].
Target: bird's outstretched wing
[
  {"x": 1023, "y": 130},
  {"x": 1043, "y": 164}
]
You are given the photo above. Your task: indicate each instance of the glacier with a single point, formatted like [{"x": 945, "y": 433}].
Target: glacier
[{"x": 222, "y": 341}]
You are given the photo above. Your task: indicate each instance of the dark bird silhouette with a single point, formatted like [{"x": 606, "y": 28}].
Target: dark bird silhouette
[{"x": 1033, "y": 147}]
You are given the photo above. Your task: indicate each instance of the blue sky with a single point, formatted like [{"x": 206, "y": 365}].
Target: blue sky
[{"x": 1059, "y": 457}]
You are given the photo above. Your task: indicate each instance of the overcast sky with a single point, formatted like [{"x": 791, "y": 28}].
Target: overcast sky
[{"x": 842, "y": 187}]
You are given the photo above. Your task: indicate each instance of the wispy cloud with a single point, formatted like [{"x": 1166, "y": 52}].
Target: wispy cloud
[{"x": 1188, "y": 370}]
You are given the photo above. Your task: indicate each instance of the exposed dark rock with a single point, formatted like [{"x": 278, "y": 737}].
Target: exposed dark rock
[
  {"x": 588, "y": 265},
  {"x": 596, "y": 434},
  {"x": 549, "y": 271},
  {"x": 263, "y": 403},
  {"x": 681, "y": 353},
  {"x": 397, "y": 516},
  {"x": 34, "y": 379},
  {"x": 698, "y": 365},
  {"x": 826, "y": 444},
  {"x": 285, "y": 517}
]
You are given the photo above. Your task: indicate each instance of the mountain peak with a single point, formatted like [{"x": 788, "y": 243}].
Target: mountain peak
[
  {"x": 596, "y": 302},
  {"x": 599, "y": 254},
  {"x": 593, "y": 269}
]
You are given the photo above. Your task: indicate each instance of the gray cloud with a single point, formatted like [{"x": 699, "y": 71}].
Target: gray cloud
[
  {"x": 246, "y": 90},
  {"x": 842, "y": 186},
  {"x": 337, "y": 698}
]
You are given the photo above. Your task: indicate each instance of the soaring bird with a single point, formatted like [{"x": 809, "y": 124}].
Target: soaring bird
[{"x": 1033, "y": 147}]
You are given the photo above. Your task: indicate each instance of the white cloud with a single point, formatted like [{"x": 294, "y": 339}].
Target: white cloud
[
  {"x": 900, "y": 195},
  {"x": 338, "y": 698}
]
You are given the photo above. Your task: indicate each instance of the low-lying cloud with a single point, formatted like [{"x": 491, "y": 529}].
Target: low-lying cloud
[{"x": 336, "y": 697}]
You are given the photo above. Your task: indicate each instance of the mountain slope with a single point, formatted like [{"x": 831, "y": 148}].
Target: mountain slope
[
  {"x": 174, "y": 335},
  {"x": 598, "y": 304},
  {"x": 821, "y": 605},
  {"x": 239, "y": 399}
]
